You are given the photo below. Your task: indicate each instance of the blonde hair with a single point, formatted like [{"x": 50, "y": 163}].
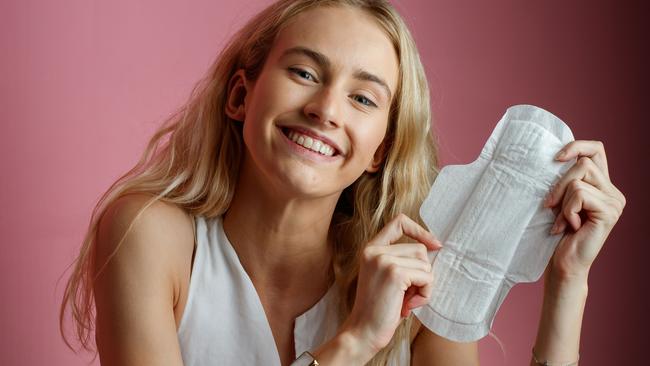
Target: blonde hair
[{"x": 193, "y": 161}]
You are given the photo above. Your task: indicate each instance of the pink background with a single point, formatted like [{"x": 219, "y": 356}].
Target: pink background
[{"x": 83, "y": 84}]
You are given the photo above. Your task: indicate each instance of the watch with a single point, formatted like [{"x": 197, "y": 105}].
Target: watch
[{"x": 305, "y": 359}]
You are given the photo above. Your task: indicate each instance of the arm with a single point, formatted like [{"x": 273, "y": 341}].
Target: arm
[
  {"x": 558, "y": 335},
  {"x": 588, "y": 207},
  {"x": 346, "y": 348},
  {"x": 135, "y": 292},
  {"x": 397, "y": 273},
  {"x": 427, "y": 349},
  {"x": 430, "y": 349}
]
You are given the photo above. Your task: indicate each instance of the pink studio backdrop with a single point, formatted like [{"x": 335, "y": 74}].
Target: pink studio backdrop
[{"x": 83, "y": 84}]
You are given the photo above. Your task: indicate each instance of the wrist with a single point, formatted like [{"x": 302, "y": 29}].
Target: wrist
[
  {"x": 563, "y": 282},
  {"x": 358, "y": 345},
  {"x": 558, "y": 336},
  {"x": 562, "y": 291},
  {"x": 346, "y": 348}
]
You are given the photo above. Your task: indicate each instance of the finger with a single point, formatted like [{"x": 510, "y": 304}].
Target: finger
[
  {"x": 583, "y": 196},
  {"x": 406, "y": 277},
  {"x": 560, "y": 223},
  {"x": 572, "y": 206},
  {"x": 416, "y": 301},
  {"x": 591, "y": 149},
  {"x": 594, "y": 200},
  {"x": 585, "y": 169},
  {"x": 403, "y": 225},
  {"x": 407, "y": 262},
  {"x": 410, "y": 250},
  {"x": 412, "y": 291},
  {"x": 417, "y": 294},
  {"x": 565, "y": 216},
  {"x": 405, "y": 311}
]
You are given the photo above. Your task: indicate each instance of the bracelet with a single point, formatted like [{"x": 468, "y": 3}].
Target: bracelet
[
  {"x": 305, "y": 359},
  {"x": 548, "y": 363},
  {"x": 313, "y": 361}
]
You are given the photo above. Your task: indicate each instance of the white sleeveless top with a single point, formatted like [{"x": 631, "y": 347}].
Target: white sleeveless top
[{"x": 224, "y": 322}]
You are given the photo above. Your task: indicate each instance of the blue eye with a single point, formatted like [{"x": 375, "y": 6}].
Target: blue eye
[
  {"x": 365, "y": 101},
  {"x": 302, "y": 73}
]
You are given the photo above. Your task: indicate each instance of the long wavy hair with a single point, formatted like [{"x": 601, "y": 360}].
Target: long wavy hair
[{"x": 193, "y": 161}]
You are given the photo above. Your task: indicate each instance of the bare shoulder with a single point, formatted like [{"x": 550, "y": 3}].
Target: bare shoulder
[
  {"x": 143, "y": 252},
  {"x": 159, "y": 216},
  {"x": 428, "y": 348},
  {"x": 161, "y": 230},
  {"x": 159, "y": 234}
]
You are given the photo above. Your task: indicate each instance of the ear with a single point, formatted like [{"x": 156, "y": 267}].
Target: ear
[
  {"x": 237, "y": 90},
  {"x": 378, "y": 158}
]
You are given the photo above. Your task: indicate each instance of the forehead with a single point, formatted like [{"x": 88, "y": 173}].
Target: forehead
[{"x": 349, "y": 37}]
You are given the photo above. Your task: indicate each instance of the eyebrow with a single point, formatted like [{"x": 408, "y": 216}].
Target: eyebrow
[{"x": 325, "y": 63}]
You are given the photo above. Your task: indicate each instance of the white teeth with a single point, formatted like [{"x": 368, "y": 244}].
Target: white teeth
[
  {"x": 324, "y": 150},
  {"x": 311, "y": 143},
  {"x": 316, "y": 146}
]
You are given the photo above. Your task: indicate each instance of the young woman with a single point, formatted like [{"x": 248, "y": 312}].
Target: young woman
[{"x": 300, "y": 163}]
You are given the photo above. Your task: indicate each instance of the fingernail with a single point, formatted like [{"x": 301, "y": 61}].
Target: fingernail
[
  {"x": 560, "y": 154},
  {"x": 555, "y": 228}
]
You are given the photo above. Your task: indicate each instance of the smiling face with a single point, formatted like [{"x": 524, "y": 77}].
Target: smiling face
[{"x": 319, "y": 109}]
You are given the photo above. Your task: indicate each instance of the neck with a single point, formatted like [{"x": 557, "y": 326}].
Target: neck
[{"x": 282, "y": 242}]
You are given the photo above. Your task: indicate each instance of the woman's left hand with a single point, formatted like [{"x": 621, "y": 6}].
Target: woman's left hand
[{"x": 588, "y": 205}]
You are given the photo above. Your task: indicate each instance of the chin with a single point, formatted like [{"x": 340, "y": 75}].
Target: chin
[
  {"x": 300, "y": 187},
  {"x": 303, "y": 185}
]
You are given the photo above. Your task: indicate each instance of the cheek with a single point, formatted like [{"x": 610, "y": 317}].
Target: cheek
[
  {"x": 261, "y": 105},
  {"x": 371, "y": 136},
  {"x": 366, "y": 141},
  {"x": 274, "y": 95}
]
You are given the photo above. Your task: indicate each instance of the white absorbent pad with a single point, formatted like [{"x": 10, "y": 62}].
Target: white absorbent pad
[{"x": 489, "y": 215}]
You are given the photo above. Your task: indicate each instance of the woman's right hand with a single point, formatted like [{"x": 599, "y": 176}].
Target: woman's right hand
[{"x": 393, "y": 279}]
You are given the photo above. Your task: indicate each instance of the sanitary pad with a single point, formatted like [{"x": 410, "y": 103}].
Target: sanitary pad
[{"x": 489, "y": 215}]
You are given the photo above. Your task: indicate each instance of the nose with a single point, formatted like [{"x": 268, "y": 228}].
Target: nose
[{"x": 324, "y": 107}]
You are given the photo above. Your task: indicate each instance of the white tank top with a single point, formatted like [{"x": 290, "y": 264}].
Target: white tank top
[{"x": 224, "y": 322}]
